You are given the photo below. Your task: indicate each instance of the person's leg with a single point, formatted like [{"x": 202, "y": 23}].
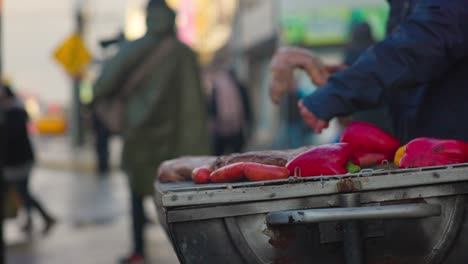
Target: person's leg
[
  {"x": 138, "y": 223},
  {"x": 30, "y": 202},
  {"x": 237, "y": 142},
  {"x": 219, "y": 145},
  {"x": 21, "y": 187},
  {"x": 102, "y": 148}
]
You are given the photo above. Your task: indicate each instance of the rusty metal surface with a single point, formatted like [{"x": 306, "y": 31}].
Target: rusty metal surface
[
  {"x": 387, "y": 197},
  {"x": 424, "y": 241},
  {"x": 303, "y": 187},
  {"x": 348, "y": 185},
  {"x": 418, "y": 241}
]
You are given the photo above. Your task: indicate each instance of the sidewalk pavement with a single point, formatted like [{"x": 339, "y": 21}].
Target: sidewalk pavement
[
  {"x": 92, "y": 211},
  {"x": 93, "y": 223},
  {"x": 56, "y": 152}
]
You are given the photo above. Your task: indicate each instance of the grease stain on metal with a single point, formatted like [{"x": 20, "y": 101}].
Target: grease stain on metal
[
  {"x": 280, "y": 237},
  {"x": 348, "y": 185}
]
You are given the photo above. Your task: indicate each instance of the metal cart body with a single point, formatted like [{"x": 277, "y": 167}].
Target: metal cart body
[{"x": 389, "y": 216}]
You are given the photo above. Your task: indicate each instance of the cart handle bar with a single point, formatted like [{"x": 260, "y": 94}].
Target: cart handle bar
[{"x": 354, "y": 213}]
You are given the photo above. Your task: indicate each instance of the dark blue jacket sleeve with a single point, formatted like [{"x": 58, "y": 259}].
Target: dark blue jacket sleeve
[{"x": 421, "y": 49}]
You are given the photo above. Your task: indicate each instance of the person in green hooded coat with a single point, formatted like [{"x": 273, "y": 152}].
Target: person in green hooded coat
[{"x": 165, "y": 115}]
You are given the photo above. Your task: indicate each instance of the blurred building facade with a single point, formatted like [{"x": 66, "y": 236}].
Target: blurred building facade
[{"x": 248, "y": 31}]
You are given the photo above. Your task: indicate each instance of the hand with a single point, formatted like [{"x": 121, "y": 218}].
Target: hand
[
  {"x": 282, "y": 68},
  {"x": 311, "y": 119},
  {"x": 286, "y": 60}
]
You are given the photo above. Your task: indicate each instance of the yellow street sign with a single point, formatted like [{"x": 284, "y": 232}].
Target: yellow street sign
[{"x": 73, "y": 55}]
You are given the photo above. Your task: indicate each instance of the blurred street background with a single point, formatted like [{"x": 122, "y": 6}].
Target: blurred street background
[
  {"x": 93, "y": 209},
  {"x": 92, "y": 212}
]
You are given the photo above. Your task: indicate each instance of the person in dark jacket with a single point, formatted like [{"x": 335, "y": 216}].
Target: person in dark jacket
[
  {"x": 19, "y": 158},
  {"x": 420, "y": 71},
  {"x": 361, "y": 39}
]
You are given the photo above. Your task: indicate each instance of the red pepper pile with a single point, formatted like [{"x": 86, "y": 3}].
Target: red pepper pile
[
  {"x": 361, "y": 144},
  {"x": 371, "y": 144},
  {"x": 425, "y": 152}
]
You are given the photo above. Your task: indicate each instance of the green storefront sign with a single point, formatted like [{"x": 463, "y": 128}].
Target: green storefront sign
[{"x": 330, "y": 25}]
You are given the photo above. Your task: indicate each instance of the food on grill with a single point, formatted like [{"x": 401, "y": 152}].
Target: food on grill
[
  {"x": 250, "y": 171},
  {"x": 261, "y": 172},
  {"x": 180, "y": 169},
  {"x": 274, "y": 157},
  {"x": 425, "y": 152},
  {"x": 330, "y": 159},
  {"x": 371, "y": 144},
  {"x": 230, "y": 173},
  {"x": 201, "y": 175}
]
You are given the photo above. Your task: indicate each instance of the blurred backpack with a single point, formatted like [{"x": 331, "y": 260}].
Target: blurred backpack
[{"x": 111, "y": 111}]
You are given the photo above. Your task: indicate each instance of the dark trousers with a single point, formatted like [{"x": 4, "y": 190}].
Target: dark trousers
[
  {"x": 138, "y": 223},
  {"x": 102, "y": 136},
  {"x": 228, "y": 144},
  {"x": 22, "y": 187},
  {"x": 2, "y": 202}
]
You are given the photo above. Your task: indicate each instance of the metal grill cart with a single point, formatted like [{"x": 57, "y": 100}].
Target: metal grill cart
[{"x": 381, "y": 216}]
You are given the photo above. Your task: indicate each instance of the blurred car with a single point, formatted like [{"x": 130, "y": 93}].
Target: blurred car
[{"x": 51, "y": 124}]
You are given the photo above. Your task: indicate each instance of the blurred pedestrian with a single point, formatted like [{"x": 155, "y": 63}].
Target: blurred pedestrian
[
  {"x": 19, "y": 158},
  {"x": 102, "y": 134},
  {"x": 293, "y": 133},
  {"x": 361, "y": 38},
  {"x": 165, "y": 115},
  {"x": 230, "y": 114}
]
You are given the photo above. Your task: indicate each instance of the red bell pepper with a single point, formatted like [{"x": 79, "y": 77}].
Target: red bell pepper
[
  {"x": 330, "y": 159},
  {"x": 425, "y": 152},
  {"x": 371, "y": 144}
]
